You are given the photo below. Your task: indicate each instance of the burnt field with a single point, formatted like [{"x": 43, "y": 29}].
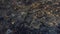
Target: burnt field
[{"x": 29, "y": 16}]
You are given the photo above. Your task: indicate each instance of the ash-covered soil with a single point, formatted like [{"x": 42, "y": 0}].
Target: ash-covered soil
[{"x": 29, "y": 16}]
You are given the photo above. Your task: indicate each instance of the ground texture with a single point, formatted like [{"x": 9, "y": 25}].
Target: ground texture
[{"x": 29, "y": 16}]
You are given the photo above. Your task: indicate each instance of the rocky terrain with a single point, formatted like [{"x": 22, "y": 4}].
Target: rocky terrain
[{"x": 29, "y": 16}]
